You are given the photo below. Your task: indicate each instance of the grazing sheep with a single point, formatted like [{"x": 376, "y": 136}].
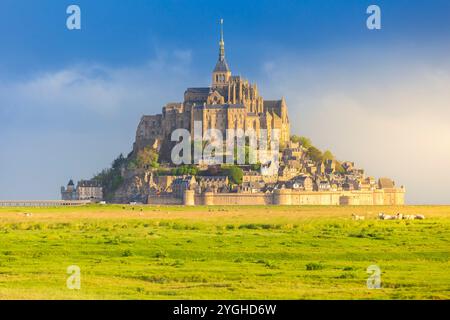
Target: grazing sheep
[
  {"x": 356, "y": 217},
  {"x": 383, "y": 216},
  {"x": 419, "y": 216},
  {"x": 408, "y": 217},
  {"x": 399, "y": 216},
  {"x": 28, "y": 214}
]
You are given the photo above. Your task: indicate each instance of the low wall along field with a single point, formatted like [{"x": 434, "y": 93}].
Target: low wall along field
[
  {"x": 223, "y": 252},
  {"x": 288, "y": 197}
]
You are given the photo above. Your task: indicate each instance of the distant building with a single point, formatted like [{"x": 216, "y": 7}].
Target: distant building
[
  {"x": 229, "y": 102},
  {"x": 302, "y": 183},
  {"x": 213, "y": 182},
  {"x": 89, "y": 190},
  {"x": 386, "y": 183},
  {"x": 330, "y": 166},
  {"x": 181, "y": 184},
  {"x": 70, "y": 192},
  {"x": 85, "y": 190}
]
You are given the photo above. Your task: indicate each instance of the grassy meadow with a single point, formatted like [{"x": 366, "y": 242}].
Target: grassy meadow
[{"x": 150, "y": 252}]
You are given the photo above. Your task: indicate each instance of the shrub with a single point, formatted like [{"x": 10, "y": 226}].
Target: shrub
[
  {"x": 314, "y": 266},
  {"x": 234, "y": 173},
  {"x": 127, "y": 253}
]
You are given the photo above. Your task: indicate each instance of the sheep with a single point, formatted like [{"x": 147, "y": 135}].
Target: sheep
[
  {"x": 28, "y": 214},
  {"x": 356, "y": 217},
  {"x": 383, "y": 216},
  {"x": 398, "y": 216},
  {"x": 408, "y": 217},
  {"x": 419, "y": 216}
]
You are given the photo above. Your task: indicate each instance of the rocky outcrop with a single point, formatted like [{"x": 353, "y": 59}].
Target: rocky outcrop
[{"x": 136, "y": 186}]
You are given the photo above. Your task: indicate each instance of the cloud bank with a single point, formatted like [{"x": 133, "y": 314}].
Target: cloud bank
[
  {"x": 71, "y": 123},
  {"x": 391, "y": 116}
]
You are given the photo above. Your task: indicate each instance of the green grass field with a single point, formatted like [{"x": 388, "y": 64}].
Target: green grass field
[{"x": 223, "y": 253}]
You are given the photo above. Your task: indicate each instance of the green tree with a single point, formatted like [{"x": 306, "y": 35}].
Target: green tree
[
  {"x": 315, "y": 154},
  {"x": 234, "y": 173},
  {"x": 147, "y": 158},
  {"x": 305, "y": 142},
  {"x": 185, "y": 170},
  {"x": 111, "y": 178},
  {"x": 327, "y": 155},
  {"x": 295, "y": 138}
]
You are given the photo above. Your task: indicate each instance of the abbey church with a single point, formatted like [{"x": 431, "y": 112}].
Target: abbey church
[
  {"x": 231, "y": 102},
  {"x": 302, "y": 175}
]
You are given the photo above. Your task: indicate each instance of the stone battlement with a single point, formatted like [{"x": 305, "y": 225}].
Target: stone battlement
[{"x": 394, "y": 196}]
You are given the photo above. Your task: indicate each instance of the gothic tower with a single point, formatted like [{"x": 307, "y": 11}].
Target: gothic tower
[{"x": 221, "y": 73}]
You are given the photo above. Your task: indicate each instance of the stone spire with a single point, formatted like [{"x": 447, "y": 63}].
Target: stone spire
[
  {"x": 221, "y": 43},
  {"x": 221, "y": 73},
  {"x": 221, "y": 65}
]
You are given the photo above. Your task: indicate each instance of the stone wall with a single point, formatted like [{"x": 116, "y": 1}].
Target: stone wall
[
  {"x": 243, "y": 199},
  {"x": 164, "y": 200},
  {"x": 291, "y": 197}
]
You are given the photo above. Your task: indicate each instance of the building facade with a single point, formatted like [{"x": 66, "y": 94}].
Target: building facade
[
  {"x": 231, "y": 102},
  {"x": 85, "y": 190}
]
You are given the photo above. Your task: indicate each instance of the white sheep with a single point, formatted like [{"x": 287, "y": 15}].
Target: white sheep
[
  {"x": 357, "y": 217},
  {"x": 419, "y": 216},
  {"x": 408, "y": 217},
  {"x": 383, "y": 216}
]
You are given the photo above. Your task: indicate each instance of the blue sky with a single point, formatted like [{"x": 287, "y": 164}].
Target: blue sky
[
  {"x": 120, "y": 33},
  {"x": 70, "y": 100}
]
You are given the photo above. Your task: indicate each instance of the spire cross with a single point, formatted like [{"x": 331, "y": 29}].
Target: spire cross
[
  {"x": 221, "y": 43},
  {"x": 221, "y": 30}
]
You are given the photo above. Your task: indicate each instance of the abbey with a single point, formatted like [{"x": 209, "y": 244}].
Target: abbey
[
  {"x": 294, "y": 172},
  {"x": 231, "y": 102}
]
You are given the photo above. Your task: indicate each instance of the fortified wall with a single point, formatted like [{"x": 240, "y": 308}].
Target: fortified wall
[{"x": 394, "y": 196}]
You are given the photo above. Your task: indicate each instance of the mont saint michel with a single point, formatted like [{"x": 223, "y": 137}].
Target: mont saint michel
[
  {"x": 293, "y": 150},
  {"x": 304, "y": 174}
]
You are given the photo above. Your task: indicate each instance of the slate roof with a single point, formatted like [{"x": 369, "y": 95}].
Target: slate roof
[
  {"x": 222, "y": 66},
  {"x": 386, "y": 183}
]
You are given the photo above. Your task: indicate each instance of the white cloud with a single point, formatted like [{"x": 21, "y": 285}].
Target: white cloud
[
  {"x": 101, "y": 89},
  {"x": 73, "y": 122},
  {"x": 390, "y": 116}
]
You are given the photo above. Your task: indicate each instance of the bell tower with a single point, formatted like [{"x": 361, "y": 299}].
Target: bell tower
[{"x": 221, "y": 73}]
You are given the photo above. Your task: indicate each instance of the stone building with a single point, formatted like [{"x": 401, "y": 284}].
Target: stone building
[
  {"x": 181, "y": 184},
  {"x": 216, "y": 183},
  {"x": 230, "y": 102},
  {"x": 70, "y": 192},
  {"x": 85, "y": 190},
  {"x": 89, "y": 190}
]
